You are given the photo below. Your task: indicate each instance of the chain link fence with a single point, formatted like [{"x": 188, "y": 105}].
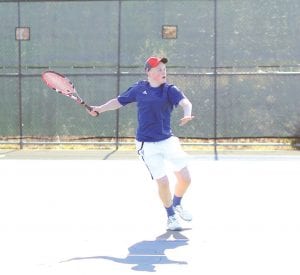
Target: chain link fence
[{"x": 237, "y": 61}]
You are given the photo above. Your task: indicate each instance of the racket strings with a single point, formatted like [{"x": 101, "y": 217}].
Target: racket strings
[
  {"x": 63, "y": 85},
  {"x": 59, "y": 83}
]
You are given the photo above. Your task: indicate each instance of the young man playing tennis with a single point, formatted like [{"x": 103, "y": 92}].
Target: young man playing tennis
[{"x": 154, "y": 138}]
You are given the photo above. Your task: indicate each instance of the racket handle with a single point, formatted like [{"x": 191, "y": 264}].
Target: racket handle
[
  {"x": 90, "y": 109},
  {"x": 87, "y": 106}
]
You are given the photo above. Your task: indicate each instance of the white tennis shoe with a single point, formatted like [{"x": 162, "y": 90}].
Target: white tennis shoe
[
  {"x": 173, "y": 223},
  {"x": 184, "y": 214}
]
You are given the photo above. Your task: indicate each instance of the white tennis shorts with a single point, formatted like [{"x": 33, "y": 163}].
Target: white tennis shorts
[{"x": 157, "y": 155}]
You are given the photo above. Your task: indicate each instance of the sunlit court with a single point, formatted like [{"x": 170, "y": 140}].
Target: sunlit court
[{"x": 88, "y": 217}]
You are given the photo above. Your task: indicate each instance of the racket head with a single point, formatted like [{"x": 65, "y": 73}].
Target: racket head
[
  {"x": 58, "y": 82},
  {"x": 63, "y": 85}
]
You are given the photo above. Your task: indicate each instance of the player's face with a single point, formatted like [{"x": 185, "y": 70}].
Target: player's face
[{"x": 158, "y": 74}]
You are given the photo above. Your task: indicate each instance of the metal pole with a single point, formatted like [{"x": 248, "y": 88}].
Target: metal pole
[
  {"x": 118, "y": 73},
  {"x": 20, "y": 82},
  {"x": 215, "y": 81}
]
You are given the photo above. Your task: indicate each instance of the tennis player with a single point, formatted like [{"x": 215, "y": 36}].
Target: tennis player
[{"x": 155, "y": 141}]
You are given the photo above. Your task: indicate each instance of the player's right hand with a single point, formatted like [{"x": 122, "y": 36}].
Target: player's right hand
[{"x": 92, "y": 112}]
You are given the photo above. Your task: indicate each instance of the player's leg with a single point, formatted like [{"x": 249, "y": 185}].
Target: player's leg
[
  {"x": 166, "y": 199},
  {"x": 150, "y": 153},
  {"x": 178, "y": 158},
  {"x": 164, "y": 191},
  {"x": 183, "y": 182}
]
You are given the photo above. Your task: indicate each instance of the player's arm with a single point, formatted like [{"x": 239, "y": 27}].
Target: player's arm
[
  {"x": 187, "y": 111},
  {"x": 110, "y": 105}
]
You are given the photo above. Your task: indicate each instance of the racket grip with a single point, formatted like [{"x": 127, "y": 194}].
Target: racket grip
[
  {"x": 90, "y": 109},
  {"x": 87, "y": 106}
]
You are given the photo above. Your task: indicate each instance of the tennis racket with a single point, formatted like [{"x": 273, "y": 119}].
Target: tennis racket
[{"x": 64, "y": 86}]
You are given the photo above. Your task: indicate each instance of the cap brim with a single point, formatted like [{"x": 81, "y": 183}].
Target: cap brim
[{"x": 164, "y": 60}]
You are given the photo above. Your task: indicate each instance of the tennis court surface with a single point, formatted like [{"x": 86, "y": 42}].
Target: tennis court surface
[{"x": 98, "y": 213}]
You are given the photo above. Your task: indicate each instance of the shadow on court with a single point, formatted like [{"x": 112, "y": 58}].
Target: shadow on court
[{"x": 145, "y": 255}]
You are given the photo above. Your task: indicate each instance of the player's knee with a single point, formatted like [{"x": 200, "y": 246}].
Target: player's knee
[
  {"x": 184, "y": 175},
  {"x": 163, "y": 181}
]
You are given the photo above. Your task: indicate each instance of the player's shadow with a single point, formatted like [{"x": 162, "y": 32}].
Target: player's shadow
[{"x": 145, "y": 255}]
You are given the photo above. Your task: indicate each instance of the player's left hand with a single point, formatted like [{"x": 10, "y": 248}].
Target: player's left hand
[{"x": 185, "y": 120}]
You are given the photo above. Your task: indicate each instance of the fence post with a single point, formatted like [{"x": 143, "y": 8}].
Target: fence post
[
  {"x": 215, "y": 80},
  {"x": 20, "y": 82},
  {"x": 118, "y": 74}
]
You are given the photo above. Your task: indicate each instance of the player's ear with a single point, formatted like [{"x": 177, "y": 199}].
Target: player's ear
[{"x": 149, "y": 72}]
